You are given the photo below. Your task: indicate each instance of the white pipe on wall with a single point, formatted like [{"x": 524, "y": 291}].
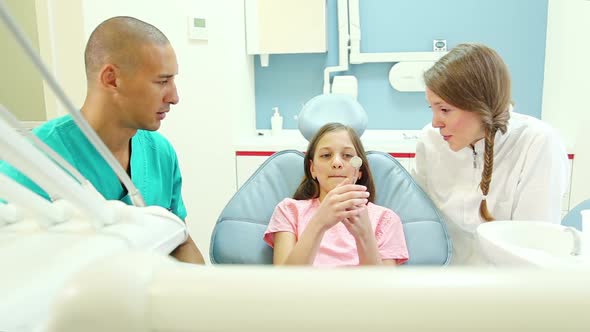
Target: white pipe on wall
[
  {"x": 342, "y": 45},
  {"x": 354, "y": 26}
]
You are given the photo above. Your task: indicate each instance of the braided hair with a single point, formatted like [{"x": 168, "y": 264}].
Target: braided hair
[{"x": 473, "y": 77}]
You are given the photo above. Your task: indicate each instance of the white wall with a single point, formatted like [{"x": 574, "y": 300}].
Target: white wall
[
  {"x": 565, "y": 91},
  {"x": 21, "y": 90},
  {"x": 215, "y": 85},
  {"x": 61, "y": 44}
]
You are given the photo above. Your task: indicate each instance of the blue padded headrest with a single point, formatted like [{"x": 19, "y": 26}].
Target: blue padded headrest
[
  {"x": 573, "y": 218},
  {"x": 328, "y": 108}
]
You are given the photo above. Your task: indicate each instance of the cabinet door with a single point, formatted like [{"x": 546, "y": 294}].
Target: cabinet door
[
  {"x": 285, "y": 26},
  {"x": 246, "y": 166}
]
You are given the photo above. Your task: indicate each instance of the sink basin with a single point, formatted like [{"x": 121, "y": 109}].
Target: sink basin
[{"x": 530, "y": 243}]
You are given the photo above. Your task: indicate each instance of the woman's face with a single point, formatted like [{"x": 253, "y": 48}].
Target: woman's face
[
  {"x": 331, "y": 162},
  {"x": 460, "y": 128}
]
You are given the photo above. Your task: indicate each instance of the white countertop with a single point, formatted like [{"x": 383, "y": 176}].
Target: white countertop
[
  {"x": 391, "y": 141},
  {"x": 398, "y": 141}
]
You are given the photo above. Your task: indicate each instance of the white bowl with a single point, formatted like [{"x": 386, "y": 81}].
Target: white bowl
[{"x": 530, "y": 243}]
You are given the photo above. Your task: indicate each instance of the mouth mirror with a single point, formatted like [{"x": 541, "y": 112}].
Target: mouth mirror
[{"x": 356, "y": 162}]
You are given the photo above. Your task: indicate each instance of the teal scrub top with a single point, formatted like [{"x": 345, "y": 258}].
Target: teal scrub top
[{"x": 154, "y": 165}]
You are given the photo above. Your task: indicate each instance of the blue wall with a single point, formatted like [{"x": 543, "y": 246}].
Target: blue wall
[{"x": 515, "y": 28}]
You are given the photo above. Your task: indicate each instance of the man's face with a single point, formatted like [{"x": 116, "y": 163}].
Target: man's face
[{"x": 147, "y": 91}]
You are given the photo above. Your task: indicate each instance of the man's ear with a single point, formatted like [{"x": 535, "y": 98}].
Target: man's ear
[{"x": 108, "y": 76}]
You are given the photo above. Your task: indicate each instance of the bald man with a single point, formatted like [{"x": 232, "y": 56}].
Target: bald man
[{"x": 130, "y": 70}]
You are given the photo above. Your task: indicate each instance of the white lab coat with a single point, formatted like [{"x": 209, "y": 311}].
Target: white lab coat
[{"x": 529, "y": 178}]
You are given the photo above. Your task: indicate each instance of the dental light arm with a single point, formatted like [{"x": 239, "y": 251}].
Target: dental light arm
[
  {"x": 19, "y": 153},
  {"x": 134, "y": 194}
]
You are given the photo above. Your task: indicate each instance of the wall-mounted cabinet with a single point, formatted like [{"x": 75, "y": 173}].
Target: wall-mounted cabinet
[{"x": 285, "y": 26}]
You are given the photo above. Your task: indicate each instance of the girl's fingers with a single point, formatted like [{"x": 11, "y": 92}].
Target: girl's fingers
[
  {"x": 344, "y": 187},
  {"x": 353, "y": 204},
  {"x": 351, "y": 195},
  {"x": 349, "y": 214},
  {"x": 343, "y": 183}
]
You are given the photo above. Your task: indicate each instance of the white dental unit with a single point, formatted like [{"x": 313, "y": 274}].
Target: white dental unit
[
  {"x": 43, "y": 244},
  {"x": 81, "y": 263}
]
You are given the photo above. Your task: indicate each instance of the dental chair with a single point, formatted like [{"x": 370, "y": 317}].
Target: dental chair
[
  {"x": 573, "y": 218},
  {"x": 237, "y": 237}
]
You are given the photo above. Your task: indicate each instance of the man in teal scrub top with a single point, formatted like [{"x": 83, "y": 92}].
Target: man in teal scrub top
[{"x": 130, "y": 69}]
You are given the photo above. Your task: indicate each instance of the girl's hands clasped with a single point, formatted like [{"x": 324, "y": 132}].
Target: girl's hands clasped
[
  {"x": 344, "y": 201},
  {"x": 359, "y": 225}
]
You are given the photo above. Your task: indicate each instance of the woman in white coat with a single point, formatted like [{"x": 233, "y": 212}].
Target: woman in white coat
[{"x": 479, "y": 161}]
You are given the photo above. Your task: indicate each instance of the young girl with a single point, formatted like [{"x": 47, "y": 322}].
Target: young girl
[{"x": 331, "y": 221}]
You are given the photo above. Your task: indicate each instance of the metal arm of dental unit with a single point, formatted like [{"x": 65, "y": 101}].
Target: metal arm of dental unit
[
  {"x": 20, "y": 154},
  {"x": 17, "y": 151},
  {"x": 48, "y": 213},
  {"x": 14, "y": 123}
]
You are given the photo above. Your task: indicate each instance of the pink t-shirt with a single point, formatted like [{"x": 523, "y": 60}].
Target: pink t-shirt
[{"x": 338, "y": 247}]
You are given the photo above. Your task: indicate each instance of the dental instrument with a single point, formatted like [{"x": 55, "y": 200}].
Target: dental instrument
[
  {"x": 15, "y": 150},
  {"x": 48, "y": 214},
  {"x": 356, "y": 162},
  {"x": 13, "y": 121},
  {"x": 577, "y": 238}
]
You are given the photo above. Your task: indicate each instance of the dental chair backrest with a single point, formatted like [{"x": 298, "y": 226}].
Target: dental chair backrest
[
  {"x": 237, "y": 236},
  {"x": 426, "y": 234}
]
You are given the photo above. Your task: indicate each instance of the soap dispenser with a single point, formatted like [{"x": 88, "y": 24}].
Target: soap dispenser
[{"x": 276, "y": 122}]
